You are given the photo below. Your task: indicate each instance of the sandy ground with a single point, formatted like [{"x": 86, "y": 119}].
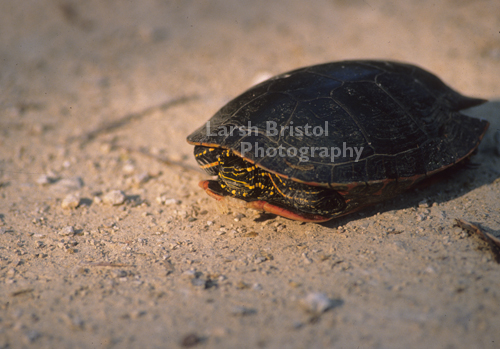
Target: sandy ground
[{"x": 165, "y": 268}]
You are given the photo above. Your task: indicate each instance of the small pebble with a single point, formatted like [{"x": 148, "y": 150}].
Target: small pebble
[
  {"x": 45, "y": 180},
  {"x": 238, "y": 217},
  {"x": 67, "y": 231},
  {"x": 164, "y": 200},
  {"x": 257, "y": 287},
  {"x": 70, "y": 202},
  {"x": 119, "y": 273},
  {"x": 128, "y": 168},
  {"x": 114, "y": 197},
  {"x": 430, "y": 270},
  {"x": 221, "y": 232},
  {"x": 260, "y": 259},
  {"x": 441, "y": 214},
  {"x": 317, "y": 303},
  {"x": 241, "y": 285},
  {"x": 182, "y": 214},
  {"x": 190, "y": 340},
  {"x": 172, "y": 202}
]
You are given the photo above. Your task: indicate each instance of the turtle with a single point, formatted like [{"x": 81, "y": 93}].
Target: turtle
[{"x": 326, "y": 140}]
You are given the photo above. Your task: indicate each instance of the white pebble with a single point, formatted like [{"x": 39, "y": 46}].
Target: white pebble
[
  {"x": 114, "y": 197},
  {"x": 128, "y": 168},
  {"x": 430, "y": 270},
  {"x": 70, "y": 201},
  {"x": 257, "y": 287},
  {"x": 171, "y": 202},
  {"x": 317, "y": 303},
  {"x": 259, "y": 259},
  {"x": 44, "y": 180},
  {"x": 66, "y": 231},
  {"x": 164, "y": 200}
]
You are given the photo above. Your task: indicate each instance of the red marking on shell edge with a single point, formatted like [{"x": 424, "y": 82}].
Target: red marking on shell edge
[
  {"x": 204, "y": 186},
  {"x": 265, "y": 206}
]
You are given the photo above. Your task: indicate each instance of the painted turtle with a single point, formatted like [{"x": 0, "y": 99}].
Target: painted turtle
[{"x": 326, "y": 140}]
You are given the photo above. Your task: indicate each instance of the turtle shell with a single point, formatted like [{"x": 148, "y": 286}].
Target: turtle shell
[{"x": 405, "y": 120}]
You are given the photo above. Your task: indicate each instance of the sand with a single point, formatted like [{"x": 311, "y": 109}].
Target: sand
[{"x": 103, "y": 244}]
